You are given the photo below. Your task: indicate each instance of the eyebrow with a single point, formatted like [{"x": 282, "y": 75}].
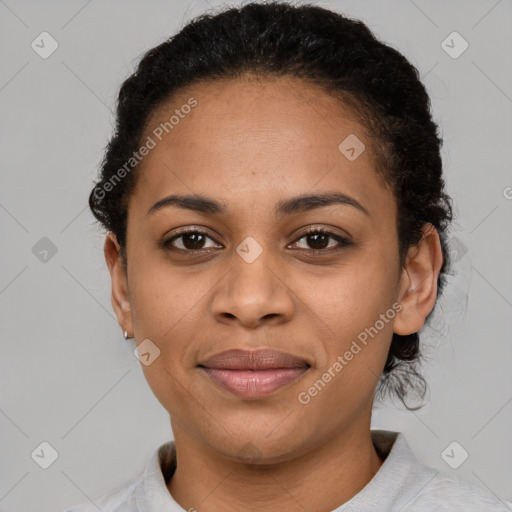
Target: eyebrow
[{"x": 295, "y": 205}]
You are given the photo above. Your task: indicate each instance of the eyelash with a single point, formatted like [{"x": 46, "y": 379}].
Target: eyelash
[{"x": 343, "y": 242}]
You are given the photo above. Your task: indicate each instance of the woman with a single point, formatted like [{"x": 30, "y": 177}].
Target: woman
[{"x": 276, "y": 219}]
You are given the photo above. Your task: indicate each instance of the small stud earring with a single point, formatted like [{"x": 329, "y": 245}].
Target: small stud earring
[{"x": 125, "y": 335}]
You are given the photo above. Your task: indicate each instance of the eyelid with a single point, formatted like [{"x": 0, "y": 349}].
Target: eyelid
[
  {"x": 194, "y": 228},
  {"x": 324, "y": 229}
]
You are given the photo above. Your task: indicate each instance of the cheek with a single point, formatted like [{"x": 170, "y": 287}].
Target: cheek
[
  {"x": 353, "y": 358},
  {"x": 358, "y": 306},
  {"x": 164, "y": 301},
  {"x": 166, "y": 309},
  {"x": 353, "y": 298}
]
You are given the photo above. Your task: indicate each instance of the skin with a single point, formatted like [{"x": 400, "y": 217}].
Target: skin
[{"x": 250, "y": 144}]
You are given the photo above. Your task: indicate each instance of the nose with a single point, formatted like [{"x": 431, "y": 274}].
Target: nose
[{"x": 253, "y": 294}]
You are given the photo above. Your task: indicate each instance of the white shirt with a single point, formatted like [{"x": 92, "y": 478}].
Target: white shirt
[{"x": 402, "y": 484}]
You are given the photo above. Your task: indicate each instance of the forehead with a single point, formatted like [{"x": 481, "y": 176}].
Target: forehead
[
  {"x": 289, "y": 107},
  {"x": 261, "y": 136}
]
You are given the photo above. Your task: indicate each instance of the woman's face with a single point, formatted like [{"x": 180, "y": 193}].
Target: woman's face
[{"x": 249, "y": 280}]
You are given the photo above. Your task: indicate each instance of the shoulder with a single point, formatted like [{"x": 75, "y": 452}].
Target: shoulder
[
  {"x": 147, "y": 491},
  {"x": 405, "y": 483},
  {"x": 118, "y": 499},
  {"x": 447, "y": 493}
]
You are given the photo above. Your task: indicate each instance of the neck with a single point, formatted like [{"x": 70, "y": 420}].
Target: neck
[{"x": 322, "y": 479}]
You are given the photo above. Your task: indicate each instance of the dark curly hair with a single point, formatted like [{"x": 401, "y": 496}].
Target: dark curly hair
[{"x": 341, "y": 56}]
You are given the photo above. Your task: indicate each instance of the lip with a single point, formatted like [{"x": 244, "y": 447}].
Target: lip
[{"x": 253, "y": 374}]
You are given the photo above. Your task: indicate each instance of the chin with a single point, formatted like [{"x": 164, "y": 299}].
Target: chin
[{"x": 258, "y": 443}]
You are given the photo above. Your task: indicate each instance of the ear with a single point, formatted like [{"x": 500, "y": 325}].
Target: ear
[
  {"x": 118, "y": 275},
  {"x": 418, "y": 282}
]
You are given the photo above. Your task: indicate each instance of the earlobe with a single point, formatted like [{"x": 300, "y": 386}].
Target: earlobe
[
  {"x": 118, "y": 275},
  {"x": 418, "y": 282}
]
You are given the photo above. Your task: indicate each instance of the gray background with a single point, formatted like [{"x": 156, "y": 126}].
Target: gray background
[{"x": 67, "y": 375}]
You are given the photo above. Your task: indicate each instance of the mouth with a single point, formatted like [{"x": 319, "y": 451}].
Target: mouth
[{"x": 253, "y": 374}]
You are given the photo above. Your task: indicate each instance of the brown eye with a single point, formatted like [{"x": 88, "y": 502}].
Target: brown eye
[
  {"x": 320, "y": 241},
  {"x": 189, "y": 241}
]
